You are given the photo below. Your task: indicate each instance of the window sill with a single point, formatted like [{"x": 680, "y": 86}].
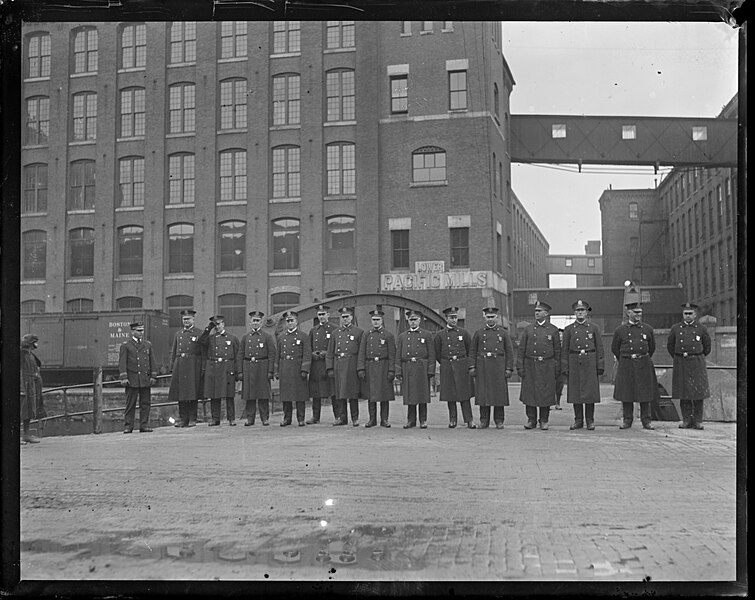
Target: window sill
[
  {"x": 187, "y": 205},
  {"x": 182, "y": 134},
  {"x": 177, "y": 276},
  {"x": 231, "y": 275},
  {"x": 132, "y": 70},
  {"x": 339, "y": 50},
  {"x": 182, "y": 64},
  {"x": 425, "y": 32},
  {"x": 80, "y": 280},
  {"x": 87, "y": 74},
  {"x": 129, "y": 278},
  {"x": 451, "y": 30},
  {"x": 285, "y": 55},
  {"x": 405, "y": 35},
  {"x": 35, "y": 146},
  {"x": 132, "y": 138},
  {"x": 284, "y": 200},
  {"x": 340, "y": 197},
  {"x": 32, "y": 281},
  {"x": 33, "y": 214},
  {"x": 233, "y": 59},
  {"x": 421, "y": 184},
  {"x": 232, "y": 203},
  {"x": 223, "y": 131},
  {"x": 82, "y": 143},
  {"x": 285, "y": 127},
  {"x": 341, "y": 272},
  {"x": 36, "y": 79},
  {"x": 285, "y": 273},
  {"x": 130, "y": 209},
  {"x": 81, "y": 211},
  {"x": 338, "y": 123}
]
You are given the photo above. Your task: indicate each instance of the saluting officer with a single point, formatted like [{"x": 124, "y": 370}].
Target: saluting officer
[
  {"x": 415, "y": 368},
  {"x": 491, "y": 363},
  {"x": 375, "y": 367},
  {"x": 255, "y": 363},
  {"x": 633, "y": 345},
  {"x": 186, "y": 365},
  {"x": 689, "y": 343},
  {"x": 452, "y": 352},
  {"x": 136, "y": 364},
  {"x": 341, "y": 364},
  {"x": 292, "y": 360},
  {"x": 538, "y": 366},
  {"x": 320, "y": 385},
  {"x": 582, "y": 363},
  {"x": 220, "y": 370}
]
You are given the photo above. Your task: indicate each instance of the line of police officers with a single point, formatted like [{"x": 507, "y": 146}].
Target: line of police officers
[{"x": 347, "y": 363}]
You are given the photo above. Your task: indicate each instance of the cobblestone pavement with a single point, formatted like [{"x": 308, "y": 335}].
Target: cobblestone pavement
[{"x": 354, "y": 504}]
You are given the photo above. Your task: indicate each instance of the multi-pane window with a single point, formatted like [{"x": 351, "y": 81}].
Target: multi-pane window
[
  {"x": 131, "y": 181},
  {"x": 85, "y": 50},
  {"x": 181, "y": 248},
  {"x": 340, "y": 95},
  {"x": 496, "y": 100},
  {"x": 283, "y": 301},
  {"x": 38, "y": 55},
  {"x": 182, "y": 98},
  {"x": 340, "y": 34},
  {"x": 721, "y": 262},
  {"x": 233, "y": 308},
  {"x": 79, "y": 305},
  {"x": 233, "y": 39},
  {"x": 285, "y": 244},
  {"x": 232, "y": 241},
  {"x": 499, "y": 252},
  {"x": 459, "y": 246},
  {"x": 183, "y": 42},
  {"x": 233, "y": 109},
  {"x": 286, "y": 99},
  {"x": 232, "y": 175},
  {"x": 34, "y": 260},
  {"x": 286, "y": 36},
  {"x": 286, "y": 172},
  {"x": 133, "y": 112},
  {"x": 84, "y": 116},
  {"x": 727, "y": 190},
  {"x": 81, "y": 244},
  {"x": 32, "y": 307},
  {"x": 341, "y": 168},
  {"x": 400, "y": 249},
  {"x": 497, "y": 180},
  {"x": 720, "y": 205},
  {"x": 82, "y": 185},
  {"x": 428, "y": 164},
  {"x": 174, "y": 305},
  {"x": 457, "y": 90},
  {"x": 341, "y": 252},
  {"x": 133, "y": 46},
  {"x": 427, "y": 26},
  {"x": 37, "y": 127},
  {"x": 732, "y": 264},
  {"x": 181, "y": 179},
  {"x": 130, "y": 250},
  {"x": 35, "y": 189},
  {"x": 633, "y": 211},
  {"x": 128, "y": 303},
  {"x": 400, "y": 93}
]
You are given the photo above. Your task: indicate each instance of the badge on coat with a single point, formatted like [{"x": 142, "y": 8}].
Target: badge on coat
[
  {"x": 422, "y": 341},
  {"x": 382, "y": 341},
  {"x": 351, "y": 337},
  {"x": 298, "y": 342},
  {"x": 228, "y": 342},
  {"x": 644, "y": 336},
  {"x": 193, "y": 338},
  {"x": 697, "y": 338},
  {"x": 589, "y": 336},
  {"x": 550, "y": 337},
  {"x": 327, "y": 335},
  {"x": 461, "y": 338}
]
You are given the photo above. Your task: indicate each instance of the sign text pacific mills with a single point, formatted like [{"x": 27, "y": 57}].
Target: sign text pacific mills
[{"x": 431, "y": 275}]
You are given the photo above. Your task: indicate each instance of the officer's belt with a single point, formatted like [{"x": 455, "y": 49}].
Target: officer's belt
[
  {"x": 455, "y": 358},
  {"x": 686, "y": 354},
  {"x": 491, "y": 355},
  {"x": 255, "y": 358},
  {"x": 185, "y": 354},
  {"x": 580, "y": 351},
  {"x": 413, "y": 359},
  {"x": 221, "y": 359},
  {"x": 633, "y": 355},
  {"x": 540, "y": 358},
  {"x": 290, "y": 357},
  {"x": 377, "y": 358}
]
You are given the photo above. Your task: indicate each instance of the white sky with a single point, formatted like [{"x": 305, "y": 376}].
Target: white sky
[{"x": 619, "y": 69}]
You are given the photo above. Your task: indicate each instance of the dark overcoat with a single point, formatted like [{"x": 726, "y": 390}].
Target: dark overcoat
[
  {"x": 220, "y": 367},
  {"x": 491, "y": 354},
  {"x": 633, "y": 346},
  {"x": 452, "y": 352},
  {"x": 582, "y": 355},
  {"x": 415, "y": 362},
  {"x": 377, "y": 357},
  {"x": 136, "y": 363},
  {"x": 341, "y": 357},
  {"x": 320, "y": 385},
  {"x": 688, "y": 345},
  {"x": 538, "y": 360},
  {"x": 186, "y": 358},
  {"x": 293, "y": 356},
  {"x": 31, "y": 382},
  {"x": 256, "y": 362}
]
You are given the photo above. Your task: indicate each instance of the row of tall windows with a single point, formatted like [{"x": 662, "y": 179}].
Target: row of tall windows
[
  {"x": 457, "y": 92},
  {"x": 458, "y": 248}
]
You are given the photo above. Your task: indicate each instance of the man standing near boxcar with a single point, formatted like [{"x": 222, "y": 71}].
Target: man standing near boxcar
[
  {"x": 292, "y": 361},
  {"x": 415, "y": 368},
  {"x": 186, "y": 357},
  {"x": 375, "y": 367},
  {"x": 452, "y": 352},
  {"x": 633, "y": 346},
  {"x": 31, "y": 387},
  {"x": 341, "y": 364},
  {"x": 136, "y": 364},
  {"x": 220, "y": 369},
  {"x": 255, "y": 364},
  {"x": 688, "y": 344},
  {"x": 538, "y": 366},
  {"x": 491, "y": 364},
  {"x": 582, "y": 365},
  {"x": 320, "y": 385}
]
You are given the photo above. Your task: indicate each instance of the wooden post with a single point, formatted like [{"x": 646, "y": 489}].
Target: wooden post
[{"x": 97, "y": 401}]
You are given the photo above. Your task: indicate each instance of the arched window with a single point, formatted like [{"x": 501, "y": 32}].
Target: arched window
[
  {"x": 38, "y": 50},
  {"x": 429, "y": 165},
  {"x": 233, "y": 308},
  {"x": 175, "y": 304},
  {"x": 183, "y": 42},
  {"x": 81, "y": 244},
  {"x": 233, "y": 38},
  {"x": 35, "y": 189},
  {"x": 340, "y": 95},
  {"x": 283, "y": 301},
  {"x": 286, "y": 36},
  {"x": 232, "y": 245},
  {"x": 34, "y": 260},
  {"x": 233, "y": 107},
  {"x": 128, "y": 303},
  {"x": 285, "y": 234},
  {"x": 32, "y": 307},
  {"x": 130, "y": 250},
  {"x": 37, "y": 121},
  {"x": 286, "y": 99},
  {"x": 79, "y": 305},
  {"x": 133, "y": 46},
  {"x": 181, "y": 248},
  {"x": 341, "y": 249},
  {"x": 84, "y": 116},
  {"x": 85, "y": 41}
]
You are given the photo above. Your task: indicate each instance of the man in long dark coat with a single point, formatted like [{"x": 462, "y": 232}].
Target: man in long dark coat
[
  {"x": 341, "y": 364},
  {"x": 415, "y": 368},
  {"x": 688, "y": 344},
  {"x": 491, "y": 364},
  {"x": 375, "y": 367},
  {"x": 320, "y": 385},
  {"x": 452, "y": 352},
  {"x": 31, "y": 387},
  {"x": 633, "y": 346},
  {"x": 292, "y": 360},
  {"x": 136, "y": 364},
  {"x": 186, "y": 357},
  {"x": 220, "y": 369},
  {"x": 582, "y": 364},
  {"x": 538, "y": 366},
  {"x": 255, "y": 366}
]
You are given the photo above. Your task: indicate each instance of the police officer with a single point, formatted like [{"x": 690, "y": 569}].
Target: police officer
[
  {"x": 375, "y": 367},
  {"x": 538, "y": 366},
  {"x": 255, "y": 364},
  {"x": 320, "y": 385},
  {"x": 415, "y": 368},
  {"x": 689, "y": 343},
  {"x": 491, "y": 363},
  {"x": 220, "y": 371},
  {"x": 31, "y": 387},
  {"x": 582, "y": 364},
  {"x": 341, "y": 364},
  {"x": 561, "y": 379},
  {"x": 136, "y": 364},
  {"x": 292, "y": 360},
  {"x": 186, "y": 356},
  {"x": 452, "y": 352},
  {"x": 633, "y": 346}
]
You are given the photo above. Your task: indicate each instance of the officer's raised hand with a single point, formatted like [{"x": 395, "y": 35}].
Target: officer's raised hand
[
  {"x": 124, "y": 382},
  {"x": 304, "y": 375},
  {"x": 152, "y": 381}
]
